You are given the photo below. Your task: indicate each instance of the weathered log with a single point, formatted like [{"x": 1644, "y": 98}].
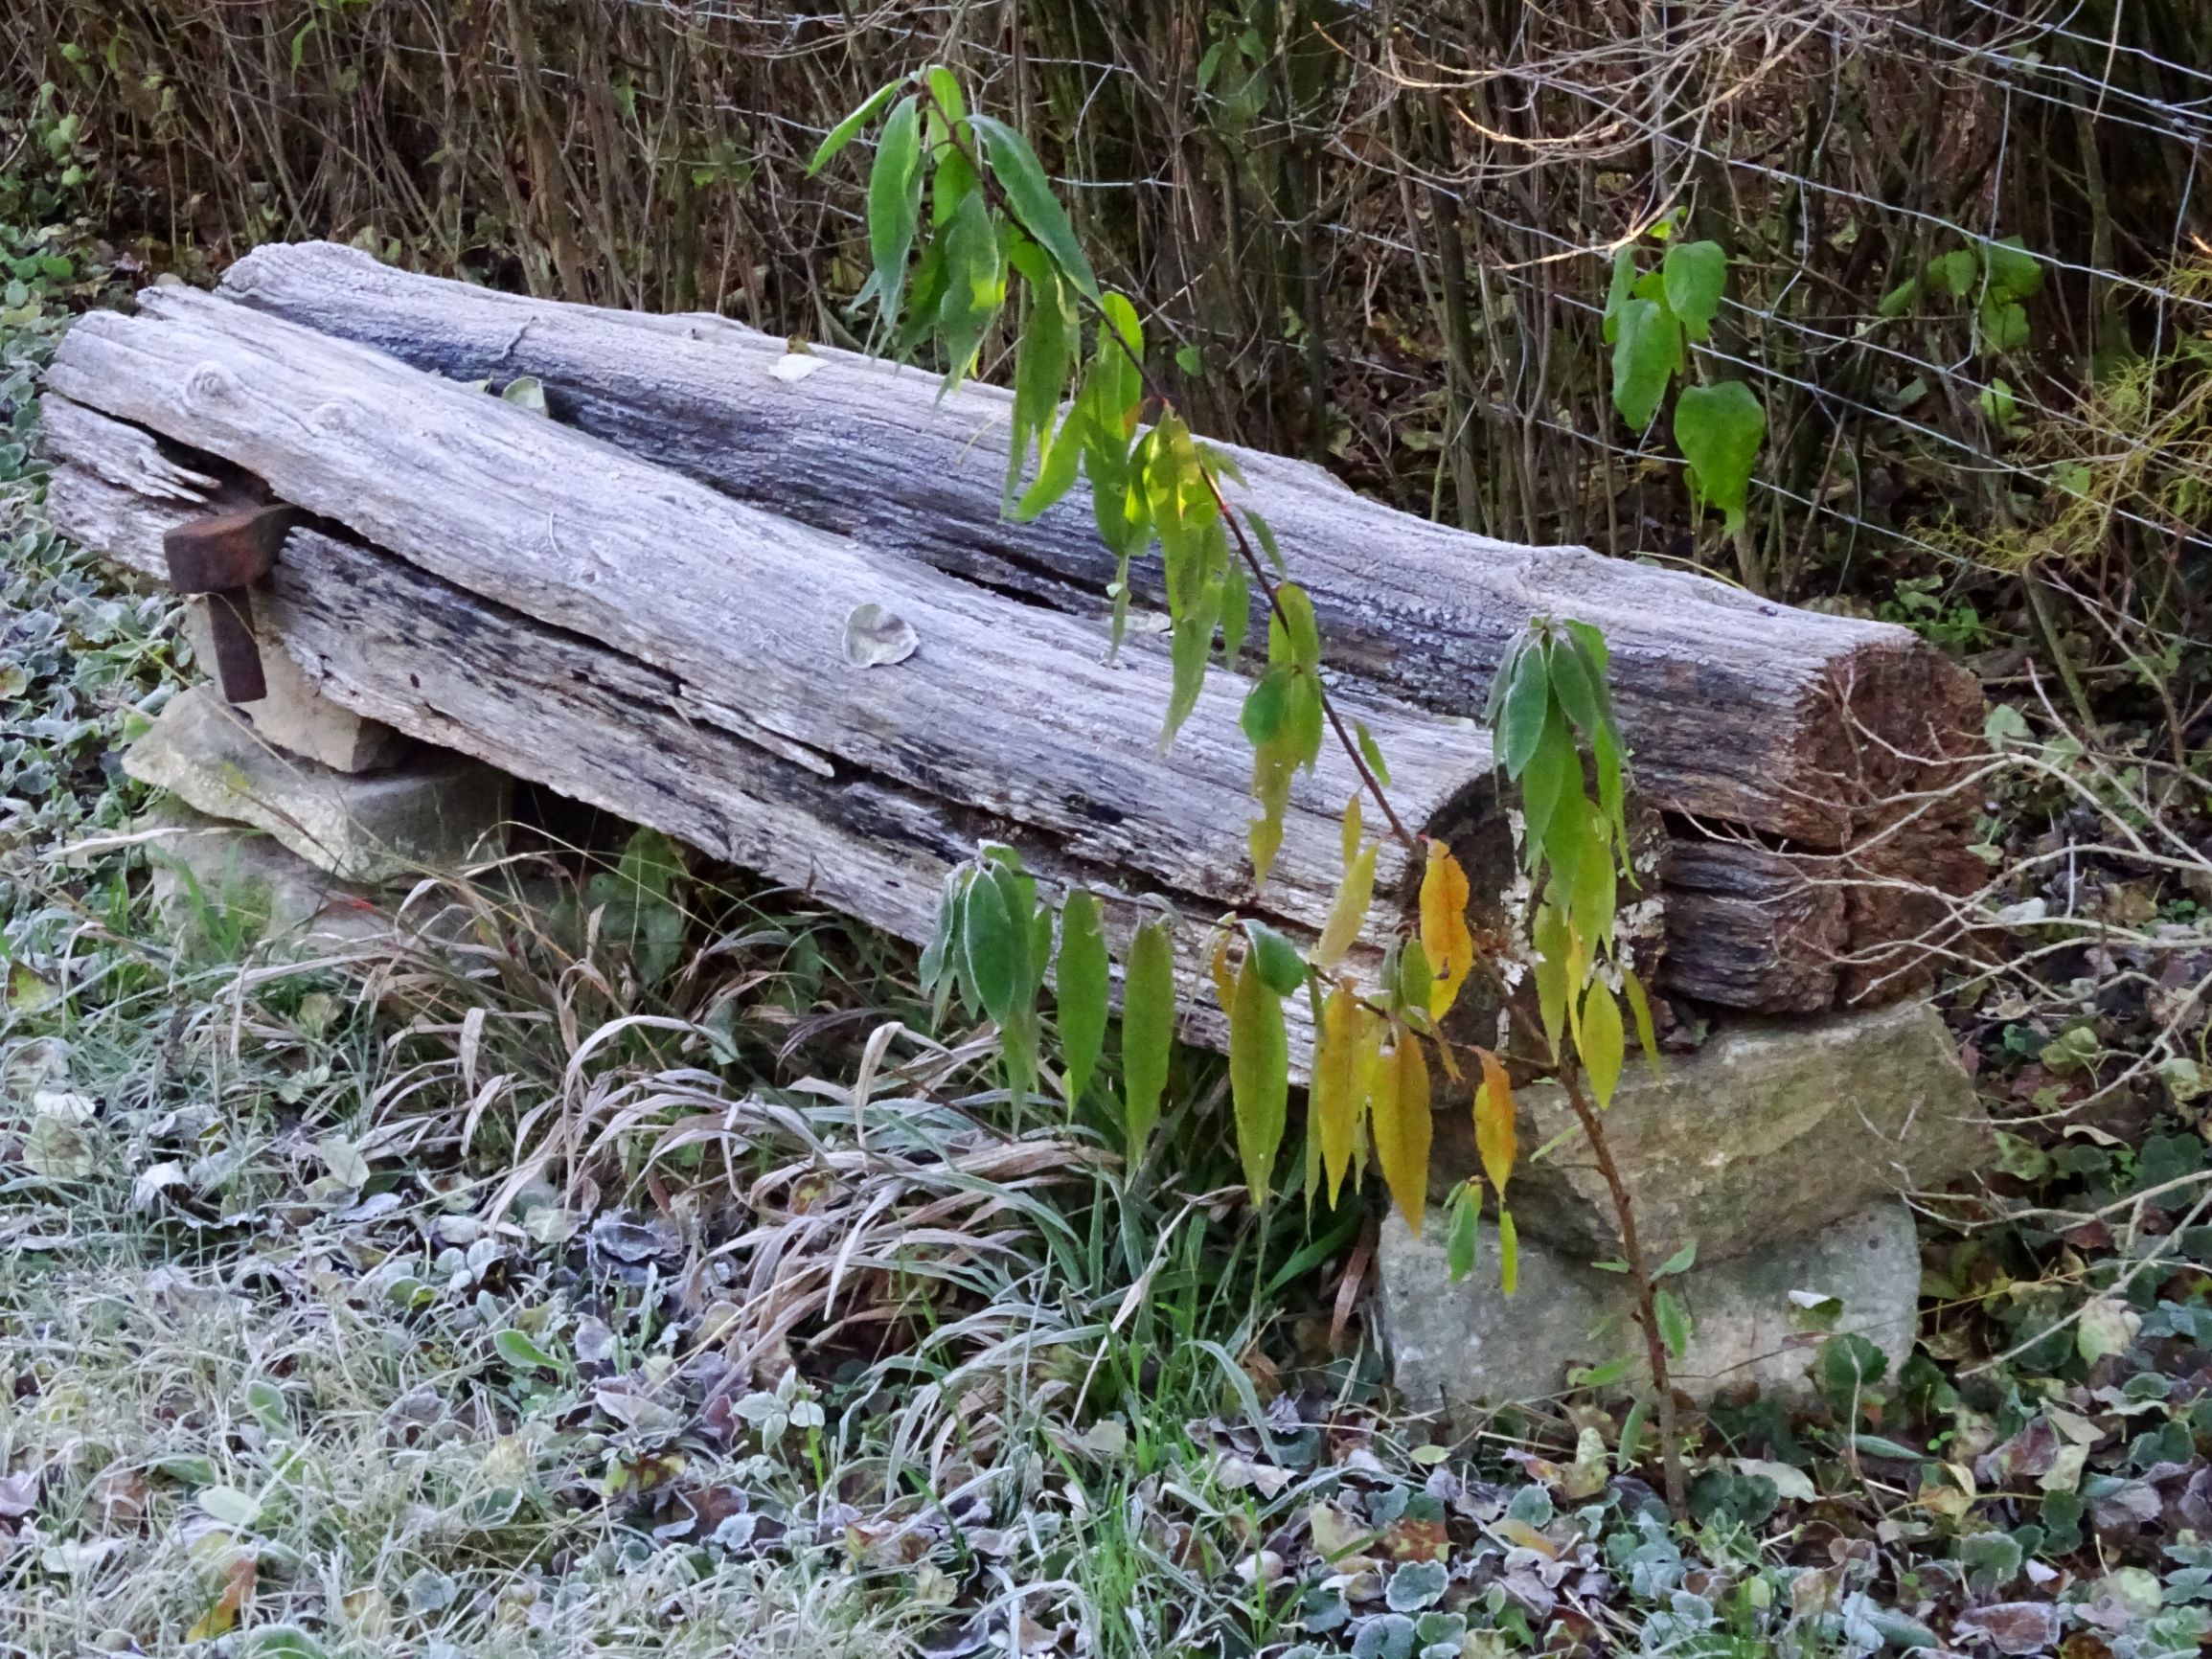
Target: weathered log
[
  {"x": 561, "y": 705},
  {"x": 1782, "y": 721}
]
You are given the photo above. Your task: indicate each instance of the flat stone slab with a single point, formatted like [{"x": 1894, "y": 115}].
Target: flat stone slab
[
  {"x": 295, "y": 716},
  {"x": 1773, "y": 1129},
  {"x": 433, "y": 812},
  {"x": 1459, "y": 1348}
]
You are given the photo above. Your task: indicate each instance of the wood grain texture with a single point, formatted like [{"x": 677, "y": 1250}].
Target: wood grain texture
[
  {"x": 1006, "y": 710},
  {"x": 393, "y": 642},
  {"x": 1783, "y": 720}
]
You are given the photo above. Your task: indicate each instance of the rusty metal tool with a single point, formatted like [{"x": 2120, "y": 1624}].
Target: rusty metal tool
[{"x": 223, "y": 556}]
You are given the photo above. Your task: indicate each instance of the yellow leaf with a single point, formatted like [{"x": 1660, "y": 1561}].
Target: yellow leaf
[
  {"x": 1508, "y": 1252},
  {"x": 1272, "y": 766},
  {"x": 237, "y": 1586},
  {"x": 1602, "y": 1041},
  {"x": 1493, "y": 1123},
  {"x": 1402, "y": 1125},
  {"x": 1347, "y": 910},
  {"x": 1224, "y": 982},
  {"x": 1445, "y": 892},
  {"x": 1352, "y": 826},
  {"x": 1334, "y": 1099},
  {"x": 1551, "y": 973},
  {"x": 1640, "y": 1005},
  {"x": 1259, "y": 1075}
]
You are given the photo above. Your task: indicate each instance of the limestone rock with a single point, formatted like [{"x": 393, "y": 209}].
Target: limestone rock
[
  {"x": 228, "y": 884},
  {"x": 1772, "y": 1129},
  {"x": 432, "y": 813},
  {"x": 295, "y": 716},
  {"x": 1458, "y": 1347}
]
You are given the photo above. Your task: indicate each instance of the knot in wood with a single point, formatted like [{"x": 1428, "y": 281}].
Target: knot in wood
[{"x": 210, "y": 383}]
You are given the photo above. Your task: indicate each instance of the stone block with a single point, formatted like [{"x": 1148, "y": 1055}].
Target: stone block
[
  {"x": 433, "y": 812},
  {"x": 1772, "y": 1129},
  {"x": 295, "y": 716},
  {"x": 232, "y": 884},
  {"x": 1464, "y": 1345}
]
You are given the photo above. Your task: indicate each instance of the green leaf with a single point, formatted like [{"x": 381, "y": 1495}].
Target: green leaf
[
  {"x": 943, "y": 951},
  {"x": 2004, "y": 325},
  {"x": 1508, "y": 1252},
  {"x": 1572, "y": 685},
  {"x": 2013, "y": 272},
  {"x": 1604, "y": 1042},
  {"x": 516, "y": 1349},
  {"x": 1299, "y": 643},
  {"x": 1953, "y": 273},
  {"x": 990, "y": 949},
  {"x": 1674, "y": 1323},
  {"x": 1266, "y": 706},
  {"x": 1040, "y": 365},
  {"x": 1681, "y": 1262},
  {"x": 845, "y": 131},
  {"x": 1719, "y": 429},
  {"x": 1015, "y": 168},
  {"x": 1466, "y": 1236},
  {"x": 1188, "y": 651},
  {"x": 1266, "y": 536},
  {"x": 1646, "y": 354},
  {"x": 1082, "y": 984},
  {"x": 1696, "y": 273},
  {"x": 1552, "y": 773},
  {"x": 1371, "y": 752},
  {"x": 974, "y": 286},
  {"x": 1416, "y": 979},
  {"x": 895, "y": 203},
  {"x": 1899, "y": 300},
  {"x": 1527, "y": 703},
  {"x": 1148, "y": 1032},
  {"x": 1623, "y": 286},
  {"x": 236, "y": 1510},
  {"x": 1235, "y": 612},
  {"x": 1259, "y": 1074},
  {"x": 1640, "y": 1005},
  {"x": 283, "y": 1642},
  {"x": 1277, "y": 959}
]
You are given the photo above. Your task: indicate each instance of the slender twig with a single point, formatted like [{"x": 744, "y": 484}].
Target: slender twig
[
  {"x": 1647, "y": 1288},
  {"x": 1250, "y": 555}
]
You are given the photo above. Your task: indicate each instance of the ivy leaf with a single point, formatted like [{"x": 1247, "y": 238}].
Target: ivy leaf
[
  {"x": 1259, "y": 1072},
  {"x": 1148, "y": 1032},
  {"x": 1953, "y": 272},
  {"x": 1445, "y": 936},
  {"x": 1719, "y": 429},
  {"x": 1081, "y": 983},
  {"x": 1495, "y": 1137},
  {"x": 1695, "y": 274},
  {"x": 845, "y": 131},
  {"x": 1647, "y": 353},
  {"x": 2004, "y": 325},
  {"x": 1602, "y": 1044},
  {"x": 1015, "y": 168},
  {"x": 1401, "y": 1124},
  {"x": 2013, "y": 272},
  {"x": 1335, "y": 1097},
  {"x": 895, "y": 204}
]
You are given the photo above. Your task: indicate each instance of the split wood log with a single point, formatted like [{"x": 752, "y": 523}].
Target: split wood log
[
  {"x": 1785, "y": 721},
  {"x": 501, "y": 584}
]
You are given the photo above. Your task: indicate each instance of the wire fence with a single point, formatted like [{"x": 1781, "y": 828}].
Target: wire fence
[{"x": 1385, "y": 229}]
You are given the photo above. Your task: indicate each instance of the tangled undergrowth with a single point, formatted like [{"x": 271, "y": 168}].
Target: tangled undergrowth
[{"x": 606, "y": 1257}]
